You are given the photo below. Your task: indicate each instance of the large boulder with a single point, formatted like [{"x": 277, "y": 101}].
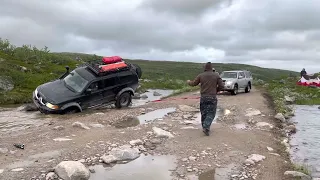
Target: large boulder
[
  {"x": 280, "y": 117},
  {"x": 162, "y": 133},
  {"x": 72, "y": 170}
]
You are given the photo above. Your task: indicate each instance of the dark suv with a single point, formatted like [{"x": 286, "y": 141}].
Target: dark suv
[{"x": 88, "y": 87}]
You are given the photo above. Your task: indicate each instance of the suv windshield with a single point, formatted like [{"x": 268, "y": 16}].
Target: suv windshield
[
  {"x": 75, "y": 81},
  {"x": 228, "y": 75}
]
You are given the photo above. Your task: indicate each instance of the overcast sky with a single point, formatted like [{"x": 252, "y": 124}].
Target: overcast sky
[{"x": 270, "y": 33}]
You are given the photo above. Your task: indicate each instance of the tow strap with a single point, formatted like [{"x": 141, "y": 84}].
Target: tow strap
[{"x": 183, "y": 98}]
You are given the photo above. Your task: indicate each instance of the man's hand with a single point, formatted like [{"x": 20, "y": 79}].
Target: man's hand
[{"x": 188, "y": 81}]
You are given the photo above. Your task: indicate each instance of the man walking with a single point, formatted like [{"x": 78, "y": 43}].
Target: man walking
[{"x": 210, "y": 83}]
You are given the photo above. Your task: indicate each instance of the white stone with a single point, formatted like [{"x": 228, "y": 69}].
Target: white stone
[
  {"x": 17, "y": 169},
  {"x": 280, "y": 117},
  {"x": 62, "y": 139},
  {"x": 125, "y": 153},
  {"x": 270, "y": 148},
  {"x": 80, "y": 125},
  {"x": 297, "y": 174},
  {"x": 252, "y": 112},
  {"x": 256, "y": 158},
  {"x": 52, "y": 176},
  {"x": 108, "y": 159},
  {"x": 264, "y": 124},
  {"x": 136, "y": 142},
  {"x": 97, "y": 125},
  {"x": 162, "y": 133},
  {"x": 1, "y": 171},
  {"x": 72, "y": 170}
]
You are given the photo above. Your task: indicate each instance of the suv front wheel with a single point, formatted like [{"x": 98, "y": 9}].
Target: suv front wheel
[
  {"x": 235, "y": 90},
  {"x": 124, "y": 100}
]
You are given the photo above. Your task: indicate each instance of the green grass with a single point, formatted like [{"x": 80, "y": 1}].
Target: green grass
[
  {"x": 286, "y": 86},
  {"x": 43, "y": 66},
  {"x": 301, "y": 168}
]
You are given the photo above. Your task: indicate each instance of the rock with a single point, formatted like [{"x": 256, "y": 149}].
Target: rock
[
  {"x": 30, "y": 107},
  {"x": 1, "y": 171},
  {"x": 255, "y": 158},
  {"x": 17, "y": 169},
  {"x": 192, "y": 158},
  {"x": 186, "y": 108},
  {"x": 59, "y": 128},
  {"x": 62, "y": 139},
  {"x": 155, "y": 141},
  {"x": 144, "y": 96},
  {"x": 6, "y": 83},
  {"x": 125, "y": 153},
  {"x": 319, "y": 107},
  {"x": 155, "y": 93},
  {"x": 187, "y": 122},
  {"x": 295, "y": 174},
  {"x": 52, "y": 176},
  {"x": 80, "y": 125},
  {"x": 249, "y": 162},
  {"x": 127, "y": 121},
  {"x": 136, "y": 96},
  {"x": 280, "y": 117},
  {"x": 264, "y": 124},
  {"x": 97, "y": 125},
  {"x": 136, "y": 142},
  {"x": 92, "y": 170},
  {"x": 72, "y": 170},
  {"x": 188, "y": 127},
  {"x": 252, "y": 112},
  {"x": 4, "y": 150},
  {"x": 108, "y": 159},
  {"x": 184, "y": 159},
  {"x": 270, "y": 149},
  {"x": 291, "y": 129},
  {"x": 289, "y": 99},
  {"x": 23, "y": 69},
  {"x": 162, "y": 133}
]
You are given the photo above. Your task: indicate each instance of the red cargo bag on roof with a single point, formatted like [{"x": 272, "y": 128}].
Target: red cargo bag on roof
[
  {"x": 111, "y": 67},
  {"x": 111, "y": 60}
]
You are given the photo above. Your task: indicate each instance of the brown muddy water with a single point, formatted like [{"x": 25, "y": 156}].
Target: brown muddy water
[
  {"x": 305, "y": 144},
  {"x": 13, "y": 120},
  {"x": 143, "y": 168}
]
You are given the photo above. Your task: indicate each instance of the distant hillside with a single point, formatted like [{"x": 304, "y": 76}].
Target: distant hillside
[{"x": 24, "y": 68}]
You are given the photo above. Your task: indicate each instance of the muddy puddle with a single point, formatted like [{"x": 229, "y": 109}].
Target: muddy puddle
[
  {"x": 155, "y": 115},
  {"x": 145, "y": 167},
  {"x": 14, "y": 120},
  {"x": 151, "y": 95},
  {"x": 305, "y": 143}
]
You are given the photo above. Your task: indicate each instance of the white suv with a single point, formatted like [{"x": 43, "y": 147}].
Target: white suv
[{"x": 237, "y": 80}]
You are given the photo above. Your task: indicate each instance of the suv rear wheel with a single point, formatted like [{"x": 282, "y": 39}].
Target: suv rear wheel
[
  {"x": 235, "y": 90},
  {"x": 248, "y": 88},
  {"x": 124, "y": 100}
]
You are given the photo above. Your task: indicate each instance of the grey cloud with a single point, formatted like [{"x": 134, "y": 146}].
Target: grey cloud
[{"x": 245, "y": 30}]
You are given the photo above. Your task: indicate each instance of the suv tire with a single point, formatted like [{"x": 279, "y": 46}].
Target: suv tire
[
  {"x": 71, "y": 110},
  {"x": 248, "y": 88},
  {"x": 235, "y": 90},
  {"x": 124, "y": 100}
]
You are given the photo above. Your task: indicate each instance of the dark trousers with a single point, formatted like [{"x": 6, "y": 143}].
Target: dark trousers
[{"x": 208, "y": 108}]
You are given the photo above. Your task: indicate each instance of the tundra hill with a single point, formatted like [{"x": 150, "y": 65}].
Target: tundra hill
[{"x": 26, "y": 67}]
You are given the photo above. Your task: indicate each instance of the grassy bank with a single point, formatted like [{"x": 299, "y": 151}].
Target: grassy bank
[{"x": 27, "y": 67}]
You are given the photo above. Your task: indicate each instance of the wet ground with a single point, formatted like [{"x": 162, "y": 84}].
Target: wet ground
[
  {"x": 305, "y": 143},
  {"x": 145, "y": 167},
  {"x": 14, "y": 120}
]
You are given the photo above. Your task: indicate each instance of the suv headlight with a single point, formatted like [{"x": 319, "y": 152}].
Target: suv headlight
[
  {"x": 228, "y": 83},
  {"x": 51, "y": 106},
  {"x": 36, "y": 91}
]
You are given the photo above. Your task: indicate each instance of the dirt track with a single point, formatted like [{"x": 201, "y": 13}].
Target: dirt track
[{"x": 224, "y": 152}]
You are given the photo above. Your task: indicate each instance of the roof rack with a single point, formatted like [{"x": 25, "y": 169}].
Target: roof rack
[{"x": 94, "y": 67}]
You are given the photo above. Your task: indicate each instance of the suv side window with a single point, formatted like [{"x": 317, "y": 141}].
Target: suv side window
[
  {"x": 241, "y": 74},
  {"x": 95, "y": 86},
  {"x": 125, "y": 77},
  {"x": 110, "y": 81}
]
